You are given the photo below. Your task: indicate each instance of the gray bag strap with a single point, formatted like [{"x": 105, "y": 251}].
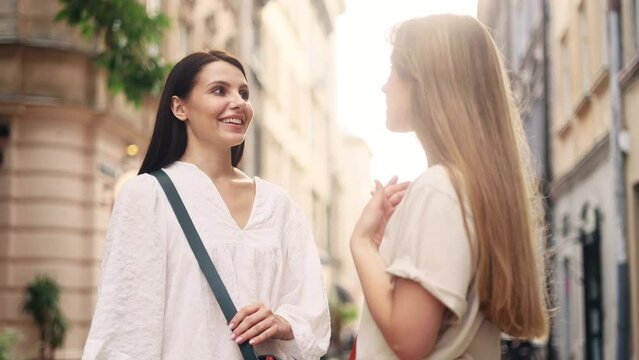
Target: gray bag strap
[{"x": 203, "y": 259}]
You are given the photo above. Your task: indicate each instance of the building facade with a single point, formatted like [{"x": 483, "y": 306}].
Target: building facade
[
  {"x": 630, "y": 86},
  {"x": 354, "y": 183},
  {"x": 63, "y": 151},
  {"x": 299, "y": 136},
  {"x": 64, "y": 137},
  {"x": 520, "y": 31},
  {"x": 565, "y": 72},
  {"x": 629, "y": 10},
  {"x": 586, "y": 224},
  {"x": 522, "y": 43}
]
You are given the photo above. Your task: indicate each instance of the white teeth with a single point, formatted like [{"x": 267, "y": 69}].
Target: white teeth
[{"x": 232, "y": 121}]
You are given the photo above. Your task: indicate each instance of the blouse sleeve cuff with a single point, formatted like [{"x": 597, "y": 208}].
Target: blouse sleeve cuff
[
  {"x": 452, "y": 301},
  {"x": 303, "y": 345}
]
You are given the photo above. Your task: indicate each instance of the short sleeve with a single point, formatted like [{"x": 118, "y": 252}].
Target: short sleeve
[
  {"x": 128, "y": 319},
  {"x": 430, "y": 246}
]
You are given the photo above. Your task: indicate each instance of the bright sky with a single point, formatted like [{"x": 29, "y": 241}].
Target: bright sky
[{"x": 363, "y": 65}]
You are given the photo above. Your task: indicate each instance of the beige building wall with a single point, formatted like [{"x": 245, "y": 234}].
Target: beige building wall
[
  {"x": 581, "y": 111},
  {"x": 65, "y": 153},
  {"x": 630, "y": 89},
  {"x": 630, "y": 111},
  {"x": 61, "y": 159},
  {"x": 355, "y": 184},
  {"x": 298, "y": 109},
  {"x": 581, "y": 120},
  {"x": 199, "y": 25}
]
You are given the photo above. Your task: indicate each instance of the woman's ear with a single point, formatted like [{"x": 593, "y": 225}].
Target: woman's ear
[{"x": 178, "y": 108}]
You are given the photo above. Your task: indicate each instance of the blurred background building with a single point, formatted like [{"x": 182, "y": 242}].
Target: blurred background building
[
  {"x": 577, "y": 91},
  {"x": 629, "y": 82},
  {"x": 67, "y": 144}
]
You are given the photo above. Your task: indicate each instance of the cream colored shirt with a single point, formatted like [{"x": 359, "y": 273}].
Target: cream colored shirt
[
  {"x": 425, "y": 241},
  {"x": 154, "y": 302}
]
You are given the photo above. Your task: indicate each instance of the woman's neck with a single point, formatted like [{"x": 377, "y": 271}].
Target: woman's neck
[{"x": 215, "y": 162}]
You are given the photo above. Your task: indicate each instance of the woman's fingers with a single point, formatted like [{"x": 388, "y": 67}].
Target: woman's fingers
[
  {"x": 260, "y": 326},
  {"x": 267, "y": 334},
  {"x": 257, "y": 329},
  {"x": 396, "y": 198},
  {"x": 395, "y": 188},
  {"x": 378, "y": 194},
  {"x": 252, "y": 314},
  {"x": 241, "y": 314},
  {"x": 391, "y": 188},
  {"x": 393, "y": 180}
]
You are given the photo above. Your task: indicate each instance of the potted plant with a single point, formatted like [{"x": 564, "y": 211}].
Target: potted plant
[{"x": 42, "y": 302}]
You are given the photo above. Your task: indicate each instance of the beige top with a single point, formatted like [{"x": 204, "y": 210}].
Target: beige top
[{"x": 425, "y": 241}]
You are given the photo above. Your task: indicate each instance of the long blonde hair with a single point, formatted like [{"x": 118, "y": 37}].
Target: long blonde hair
[{"x": 466, "y": 118}]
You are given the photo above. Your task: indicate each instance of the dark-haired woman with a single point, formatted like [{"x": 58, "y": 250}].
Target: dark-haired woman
[{"x": 153, "y": 301}]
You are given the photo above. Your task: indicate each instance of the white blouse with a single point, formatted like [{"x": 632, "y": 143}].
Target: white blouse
[{"x": 153, "y": 300}]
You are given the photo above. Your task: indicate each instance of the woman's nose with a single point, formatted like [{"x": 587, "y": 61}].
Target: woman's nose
[{"x": 237, "y": 101}]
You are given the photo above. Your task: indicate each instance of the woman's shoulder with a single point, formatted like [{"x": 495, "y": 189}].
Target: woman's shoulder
[
  {"x": 275, "y": 193},
  {"x": 435, "y": 188},
  {"x": 277, "y": 197},
  {"x": 435, "y": 180},
  {"x": 143, "y": 186}
]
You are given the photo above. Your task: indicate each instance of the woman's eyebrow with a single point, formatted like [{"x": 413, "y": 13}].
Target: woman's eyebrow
[
  {"x": 218, "y": 82},
  {"x": 225, "y": 83}
]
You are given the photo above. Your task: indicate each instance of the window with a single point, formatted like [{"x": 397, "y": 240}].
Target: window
[
  {"x": 604, "y": 32},
  {"x": 566, "y": 78},
  {"x": 636, "y": 23},
  {"x": 5, "y": 132},
  {"x": 585, "y": 49},
  {"x": 296, "y": 97},
  {"x": 153, "y": 7},
  {"x": 565, "y": 226},
  {"x": 186, "y": 35},
  {"x": 567, "y": 321}
]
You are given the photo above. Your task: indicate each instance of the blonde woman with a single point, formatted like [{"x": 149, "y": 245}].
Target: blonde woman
[{"x": 442, "y": 280}]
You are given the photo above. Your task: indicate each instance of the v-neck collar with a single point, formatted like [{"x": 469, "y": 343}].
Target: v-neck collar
[{"x": 223, "y": 203}]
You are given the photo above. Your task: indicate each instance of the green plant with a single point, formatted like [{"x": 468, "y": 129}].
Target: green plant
[
  {"x": 42, "y": 302},
  {"x": 127, "y": 31},
  {"x": 347, "y": 312},
  {"x": 8, "y": 340},
  {"x": 343, "y": 313}
]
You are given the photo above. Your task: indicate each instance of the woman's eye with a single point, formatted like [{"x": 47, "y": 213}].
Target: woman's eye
[
  {"x": 218, "y": 91},
  {"x": 244, "y": 95}
]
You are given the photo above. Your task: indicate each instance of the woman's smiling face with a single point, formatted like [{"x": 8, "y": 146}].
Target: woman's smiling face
[{"x": 217, "y": 109}]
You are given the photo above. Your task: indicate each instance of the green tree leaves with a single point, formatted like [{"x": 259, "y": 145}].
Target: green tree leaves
[{"x": 129, "y": 33}]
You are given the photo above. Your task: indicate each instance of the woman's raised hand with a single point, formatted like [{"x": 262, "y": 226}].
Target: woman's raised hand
[{"x": 381, "y": 206}]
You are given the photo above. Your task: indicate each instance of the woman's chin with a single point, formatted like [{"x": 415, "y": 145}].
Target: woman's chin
[
  {"x": 397, "y": 129},
  {"x": 231, "y": 141}
]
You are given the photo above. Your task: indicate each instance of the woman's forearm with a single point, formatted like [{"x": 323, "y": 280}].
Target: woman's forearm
[
  {"x": 388, "y": 305},
  {"x": 376, "y": 283}
]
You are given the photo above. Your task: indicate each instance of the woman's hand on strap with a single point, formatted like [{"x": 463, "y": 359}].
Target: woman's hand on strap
[{"x": 257, "y": 324}]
